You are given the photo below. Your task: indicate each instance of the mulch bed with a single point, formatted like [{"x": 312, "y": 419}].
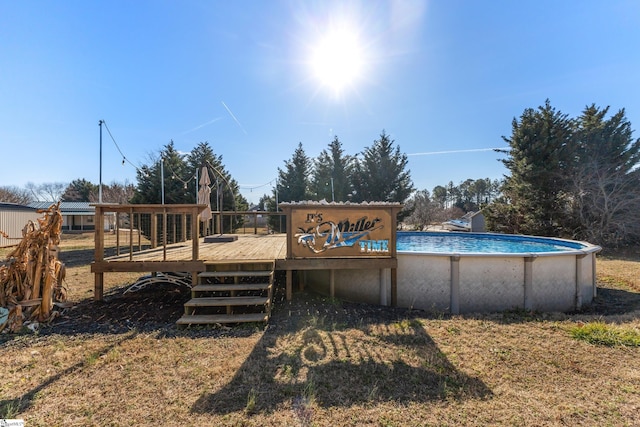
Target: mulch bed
[{"x": 157, "y": 307}]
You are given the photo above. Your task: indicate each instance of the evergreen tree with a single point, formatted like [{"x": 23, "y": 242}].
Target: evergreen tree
[
  {"x": 80, "y": 190},
  {"x": 332, "y": 174},
  {"x": 439, "y": 196},
  {"x": 224, "y": 188},
  {"x": 542, "y": 150},
  {"x": 294, "y": 182},
  {"x": 381, "y": 176},
  {"x": 150, "y": 179},
  {"x": 225, "y": 192},
  {"x": 293, "y": 185},
  {"x": 605, "y": 195}
]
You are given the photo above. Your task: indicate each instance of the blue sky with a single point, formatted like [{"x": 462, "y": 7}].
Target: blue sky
[{"x": 443, "y": 78}]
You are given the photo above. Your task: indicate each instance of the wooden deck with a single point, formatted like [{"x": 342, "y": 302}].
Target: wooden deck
[
  {"x": 196, "y": 256},
  {"x": 178, "y": 257},
  {"x": 249, "y": 247}
]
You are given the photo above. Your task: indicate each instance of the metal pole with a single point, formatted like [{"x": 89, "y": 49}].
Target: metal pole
[
  {"x": 162, "y": 178},
  {"x": 100, "y": 186},
  {"x": 279, "y": 216},
  {"x": 333, "y": 198},
  {"x": 196, "y": 185}
]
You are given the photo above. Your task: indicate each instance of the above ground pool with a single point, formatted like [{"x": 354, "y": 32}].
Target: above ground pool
[
  {"x": 485, "y": 243},
  {"x": 475, "y": 272}
]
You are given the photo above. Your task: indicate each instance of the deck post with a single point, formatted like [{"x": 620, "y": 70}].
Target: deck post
[
  {"x": 184, "y": 227},
  {"x": 195, "y": 238},
  {"x": 99, "y": 253},
  {"x": 98, "y": 291},
  {"x": 394, "y": 287},
  {"x": 332, "y": 283},
  {"x": 289, "y": 284},
  {"x": 154, "y": 230}
]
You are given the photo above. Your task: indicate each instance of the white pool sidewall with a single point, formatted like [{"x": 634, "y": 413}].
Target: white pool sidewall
[{"x": 465, "y": 283}]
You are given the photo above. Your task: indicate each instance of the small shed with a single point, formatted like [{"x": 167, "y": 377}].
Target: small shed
[
  {"x": 13, "y": 218},
  {"x": 477, "y": 222}
]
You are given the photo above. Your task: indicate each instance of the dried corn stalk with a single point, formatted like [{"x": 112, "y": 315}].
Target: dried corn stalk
[{"x": 33, "y": 278}]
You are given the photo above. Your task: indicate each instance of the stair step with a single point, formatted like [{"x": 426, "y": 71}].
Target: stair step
[
  {"x": 231, "y": 287},
  {"x": 208, "y": 319},
  {"x": 226, "y": 301},
  {"x": 248, "y": 273}
]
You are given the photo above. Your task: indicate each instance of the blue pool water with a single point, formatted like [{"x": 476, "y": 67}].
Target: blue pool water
[{"x": 452, "y": 242}]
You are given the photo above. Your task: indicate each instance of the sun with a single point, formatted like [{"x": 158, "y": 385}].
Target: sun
[{"x": 337, "y": 60}]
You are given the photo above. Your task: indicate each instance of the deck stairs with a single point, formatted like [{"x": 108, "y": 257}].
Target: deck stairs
[{"x": 231, "y": 293}]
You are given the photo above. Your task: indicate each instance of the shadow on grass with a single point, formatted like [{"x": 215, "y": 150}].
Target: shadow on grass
[
  {"x": 9, "y": 408},
  {"x": 76, "y": 257},
  {"x": 323, "y": 357},
  {"x": 613, "y": 301},
  {"x": 79, "y": 257}
]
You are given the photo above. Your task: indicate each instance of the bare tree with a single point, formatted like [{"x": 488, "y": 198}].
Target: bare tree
[
  {"x": 15, "y": 195},
  {"x": 605, "y": 203},
  {"x": 115, "y": 193},
  {"x": 46, "y": 192}
]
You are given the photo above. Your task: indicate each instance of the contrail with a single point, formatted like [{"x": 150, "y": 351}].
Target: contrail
[
  {"x": 429, "y": 153},
  {"x": 202, "y": 125},
  {"x": 234, "y": 117}
]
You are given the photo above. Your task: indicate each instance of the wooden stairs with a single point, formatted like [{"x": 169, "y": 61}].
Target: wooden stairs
[{"x": 231, "y": 293}]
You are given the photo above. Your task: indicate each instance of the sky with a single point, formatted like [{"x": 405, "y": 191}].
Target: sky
[{"x": 443, "y": 78}]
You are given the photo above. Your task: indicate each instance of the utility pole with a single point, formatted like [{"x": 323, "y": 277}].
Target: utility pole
[{"x": 100, "y": 186}]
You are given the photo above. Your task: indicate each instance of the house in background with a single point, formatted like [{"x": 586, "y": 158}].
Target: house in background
[
  {"x": 76, "y": 216},
  {"x": 13, "y": 218}
]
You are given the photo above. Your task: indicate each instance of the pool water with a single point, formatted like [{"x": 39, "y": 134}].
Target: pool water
[{"x": 451, "y": 242}]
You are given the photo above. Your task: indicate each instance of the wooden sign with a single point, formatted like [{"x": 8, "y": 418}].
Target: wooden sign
[{"x": 317, "y": 230}]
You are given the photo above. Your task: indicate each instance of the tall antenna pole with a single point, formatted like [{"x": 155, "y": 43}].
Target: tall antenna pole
[{"x": 100, "y": 186}]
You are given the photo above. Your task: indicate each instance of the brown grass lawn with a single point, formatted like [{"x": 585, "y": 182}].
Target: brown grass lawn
[{"x": 320, "y": 362}]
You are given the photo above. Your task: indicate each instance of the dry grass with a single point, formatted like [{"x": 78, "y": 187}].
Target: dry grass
[{"x": 325, "y": 362}]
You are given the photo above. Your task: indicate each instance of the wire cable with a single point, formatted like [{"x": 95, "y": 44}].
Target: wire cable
[{"x": 124, "y": 158}]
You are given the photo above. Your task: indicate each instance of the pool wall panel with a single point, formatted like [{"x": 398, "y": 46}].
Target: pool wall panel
[
  {"x": 554, "y": 283},
  {"x": 424, "y": 282},
  {"x": 491, "y": 284}
]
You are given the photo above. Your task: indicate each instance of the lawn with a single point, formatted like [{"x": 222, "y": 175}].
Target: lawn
[{"x": 323, "y": 362}]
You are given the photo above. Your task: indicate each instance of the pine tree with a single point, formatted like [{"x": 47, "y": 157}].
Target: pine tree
[
  {"x": 292, "y": 185},
  {"x": 382, "y": 174},
  {"x": 224, "y": 187},
  {"x": 293, "y": 182},
  {"x": 150, "y": 179},
  {"x": 332, "y": 174},
  {"x": 80, "y": 190},
  {"x": 542, "y": 149},
  {"x": 605, "y": 194}
]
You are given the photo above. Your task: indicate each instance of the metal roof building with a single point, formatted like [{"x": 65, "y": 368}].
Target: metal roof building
[
  {"x": 76, "y": 216},
  {"x": 13, "y": 218}
]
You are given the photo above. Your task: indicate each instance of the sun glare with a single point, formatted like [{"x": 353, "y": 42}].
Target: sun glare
[{"x": 337, "y": 61}]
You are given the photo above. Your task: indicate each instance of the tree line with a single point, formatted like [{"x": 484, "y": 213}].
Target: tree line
[
  {"x": 567, "y": 177},
  {"x": 571, "y": 177},
  {"x": 378, "y": 173}
]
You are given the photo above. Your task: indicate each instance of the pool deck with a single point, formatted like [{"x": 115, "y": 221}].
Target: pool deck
[
  {"x": 194, "y": 257},
  {"x": 247, "y": 247}
]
